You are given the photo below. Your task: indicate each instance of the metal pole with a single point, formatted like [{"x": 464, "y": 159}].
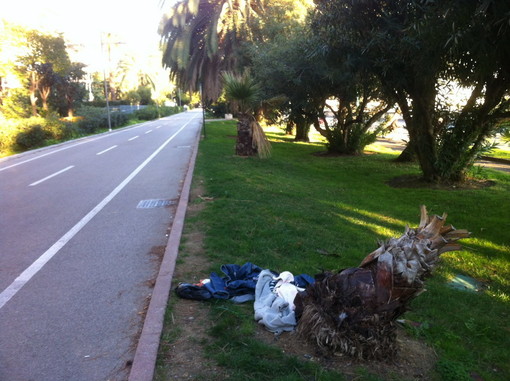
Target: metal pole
[
  {"x": 107, "y": 102},
  {"x": 203, "y": 110},
  {"x": 106, "y": 92}
]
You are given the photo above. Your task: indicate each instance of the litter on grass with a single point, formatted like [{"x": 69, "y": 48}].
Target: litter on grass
[
  {"x": 465, "y": 283},
  {"x": 353, "y": 311}
]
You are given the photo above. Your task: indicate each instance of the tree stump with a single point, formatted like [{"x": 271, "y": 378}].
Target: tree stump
[{"x": 354, "y": 311}]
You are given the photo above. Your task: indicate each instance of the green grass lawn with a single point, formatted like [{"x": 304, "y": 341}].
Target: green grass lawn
[
  {"x": 500, "y": 153},
  {"x": 287, "y": 211}
]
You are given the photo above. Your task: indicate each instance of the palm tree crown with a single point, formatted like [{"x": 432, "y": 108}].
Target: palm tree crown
[{"x": 201, "y": 40}]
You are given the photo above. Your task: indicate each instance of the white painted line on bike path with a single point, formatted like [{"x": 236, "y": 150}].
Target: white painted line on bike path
[
  {"x": 82, "y": 141},
  {"x": 39, "y": 263},
  {"x": 106, "y": 150},
  {"x": 50, "y": 176}
]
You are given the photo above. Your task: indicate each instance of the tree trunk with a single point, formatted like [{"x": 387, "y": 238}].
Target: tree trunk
[
  {"x": 33, "y": 89},
  {"x": 244, "y": 143},
  {"x": 45, "y": 93},
  {"x": 289, "y": 128},
  {"x": 302, "y": 131},
  {"x": 421, "y": 130},
  {"x": 69, "y": 102},
  {"x": 407, "y": 155},
  {"x": 354, "y": 312}
]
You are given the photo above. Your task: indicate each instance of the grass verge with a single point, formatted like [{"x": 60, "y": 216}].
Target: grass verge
[
  {"x": 305, "y": 213},
  {"x": 500, "y": 153}
]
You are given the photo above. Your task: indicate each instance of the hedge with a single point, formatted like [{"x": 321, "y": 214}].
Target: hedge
[{"x": 18, "y": 135}]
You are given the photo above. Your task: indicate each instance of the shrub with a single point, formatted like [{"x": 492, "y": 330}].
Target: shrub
[
  {"x": 54, "y": 128},
  {"x": 8, "y": 132},
  {"x": 63, "y": 130},
  {"x": 168, "y": 110},
  {"x": 28, "y": 133},
  {"x": 33, "y": 132},
  {"x": 31, "y": 137},
  {"x": 93, "y": 119},
  {"x": 16, "y": 105},
  {"x": 154, "y": 112},
  {"x": 147, "y": 113},
  {"x": 101, "y": 103},
  {"x": 118, "y": 119},
  {"x": 218, "y": 109}
]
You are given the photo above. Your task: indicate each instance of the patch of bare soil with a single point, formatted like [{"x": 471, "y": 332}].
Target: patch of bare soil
[
  {"x": 416, "y": 181},
  {"x": 185, "y": 335},
  {"x": 414, "y": 362}
]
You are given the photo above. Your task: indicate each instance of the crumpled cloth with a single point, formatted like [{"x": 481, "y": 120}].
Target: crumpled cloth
[
  {"x": 271, "y": 310},
  {"x": 286, "y": 289},
  {"x": 238, "y": 283}
]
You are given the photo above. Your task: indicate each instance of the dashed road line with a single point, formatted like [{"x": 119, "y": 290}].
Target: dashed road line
[
  {"x": 50, "y": 176},
  {"x": 106, "y": 150},
  {"x": 39, "y": 263}
]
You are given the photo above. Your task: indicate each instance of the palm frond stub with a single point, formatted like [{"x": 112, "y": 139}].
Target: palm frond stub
[{"x": 354, "y": 312}]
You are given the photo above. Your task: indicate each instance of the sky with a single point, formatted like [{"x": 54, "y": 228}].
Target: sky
[{"x": 133, "y": 23}]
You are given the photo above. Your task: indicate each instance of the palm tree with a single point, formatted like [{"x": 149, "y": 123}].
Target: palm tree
[
  {"x": 202, "y": 39},
  {"x": 245, "y": 95}
]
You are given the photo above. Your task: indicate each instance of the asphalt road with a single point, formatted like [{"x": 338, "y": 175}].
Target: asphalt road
[{"x": 80, "y": 243}]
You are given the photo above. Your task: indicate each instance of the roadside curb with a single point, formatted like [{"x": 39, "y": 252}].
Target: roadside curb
[{"x": 146, "y": 353}]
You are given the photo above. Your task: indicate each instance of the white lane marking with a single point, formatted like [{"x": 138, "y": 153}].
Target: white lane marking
[
  {"x": 39, "y": 263},
  {"x": 46, "y": 154},
  {"x": 50, "y": 176},
  {"x": 133, "y": 138},
  {"x": 90, "y": 139},
  {"x": 106, "y": 150},
  {"x": 148, "y": 132}
]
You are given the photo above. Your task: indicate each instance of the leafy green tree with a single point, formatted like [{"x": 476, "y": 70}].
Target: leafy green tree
[
  {"x": 70, "y": 88},
  {"x": 280, "y": 62},
  {"x": 413, "y": 46},
  {"x": 12, "y": 38},
  {"x": 133, "y": 97},
  {"x": 136, "y": 74},
  {"x": 359, "y": 107},
  {"x": 97, "y": 88},
  {"x": 45, "y": 55},
  {"x": 291, "y": 66},
  {"x": 46, "y": 80},
  {"x": 285, "y": 70},
  {"x": 145, "y": 95}
]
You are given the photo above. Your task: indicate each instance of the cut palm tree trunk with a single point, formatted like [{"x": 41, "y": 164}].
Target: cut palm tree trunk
[
  {"x": 244, "y": 142},
  {"x": 354, "y": 311}
]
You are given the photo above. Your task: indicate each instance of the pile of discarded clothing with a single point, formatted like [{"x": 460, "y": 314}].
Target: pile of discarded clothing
[{"x": 273, "y": 293}]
